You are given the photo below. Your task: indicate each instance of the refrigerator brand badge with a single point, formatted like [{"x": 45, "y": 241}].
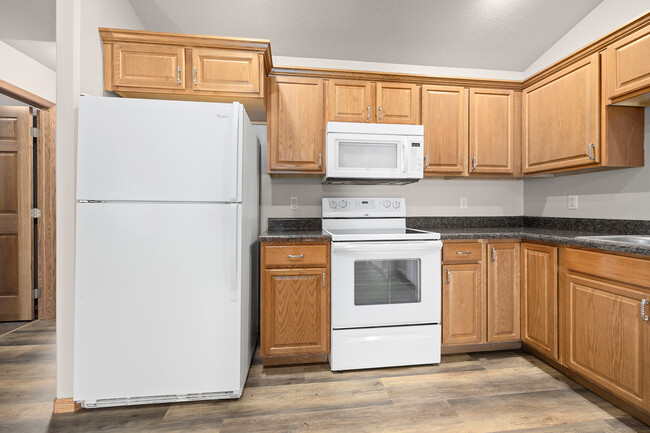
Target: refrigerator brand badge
[{"x": 223, "y": 116}]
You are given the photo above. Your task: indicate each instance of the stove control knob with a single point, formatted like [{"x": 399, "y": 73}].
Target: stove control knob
[
  {"x": 396, "y": 204},
  {"x": 343, "y": 203},
  {"x": 333, "y": 204},
  {"x": 387, "y": 203}
]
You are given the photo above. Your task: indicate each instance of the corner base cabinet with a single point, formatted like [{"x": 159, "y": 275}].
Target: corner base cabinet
[
  {"x": 295, "y": 302},
  {"x": 606, "y": 331}
]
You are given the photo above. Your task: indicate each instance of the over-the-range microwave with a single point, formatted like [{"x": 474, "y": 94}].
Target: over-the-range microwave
[{"x": 373, "y": 153}]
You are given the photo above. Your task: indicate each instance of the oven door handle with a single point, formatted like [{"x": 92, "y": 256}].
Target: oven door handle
[{"x": 386, "y": 246}]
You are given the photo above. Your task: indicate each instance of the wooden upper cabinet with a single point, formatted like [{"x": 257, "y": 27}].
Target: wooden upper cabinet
[
  {"x": 503, "y": 304},
  {"x": 296, "y": 127},
  {"x": 561, "y": 119},
  {"x": 350, "y": 101},
  {"x": 445, "y": 120},
  {"x": 225, "y": 70},
  {"x": 628, "y": 64},
  {"x": 539, "y": 298},
  {"x": 148, "y": 65},
  {"x": 398, "y": 103},
  {"x": 142, "y": 64},
  {"x": 492, "y": 131},
  {"x": 360, "y": 101}
]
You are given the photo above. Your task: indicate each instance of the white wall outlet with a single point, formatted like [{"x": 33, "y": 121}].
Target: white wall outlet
[
  {"x": 293, "y": 203},
  {"x": 572, "y": 202},
  {"x": 463, "y": 202}
]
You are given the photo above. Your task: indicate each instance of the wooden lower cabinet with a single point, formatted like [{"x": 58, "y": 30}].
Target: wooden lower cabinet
[
  {"x": 539, "y": 298},
  {"x": 503, "y": 291},
  {"x": 462, "y": 304},
  {"x": 295, "y": 303},
  {"x": 606, "y": 339},
  {"x": 480, "y": 294}
]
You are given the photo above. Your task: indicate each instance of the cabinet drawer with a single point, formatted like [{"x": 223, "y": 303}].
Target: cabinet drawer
[
  {"x": 295, "y": 255},
  {"x": 461, "y": 252}
]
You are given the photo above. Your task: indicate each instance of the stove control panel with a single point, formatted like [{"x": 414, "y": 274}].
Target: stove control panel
[{"x": 363, "y": 207}]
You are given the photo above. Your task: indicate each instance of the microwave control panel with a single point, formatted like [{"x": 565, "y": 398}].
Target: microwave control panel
[{"x": 416, "y": 157}]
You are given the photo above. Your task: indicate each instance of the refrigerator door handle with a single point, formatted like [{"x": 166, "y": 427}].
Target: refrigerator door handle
[{"x": 234, "y": 292}]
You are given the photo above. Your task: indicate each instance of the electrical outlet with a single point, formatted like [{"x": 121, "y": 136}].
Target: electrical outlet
[
  {"x": 293, "y": 203},
  {"x": 463, "y": 202},
  {"x": 572, "y": 202}
]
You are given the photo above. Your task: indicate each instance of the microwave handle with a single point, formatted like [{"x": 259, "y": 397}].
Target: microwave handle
[{"x": 386, "y": 246}]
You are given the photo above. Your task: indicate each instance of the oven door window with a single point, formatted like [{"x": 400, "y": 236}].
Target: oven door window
[{"x": 381, "y": 282}]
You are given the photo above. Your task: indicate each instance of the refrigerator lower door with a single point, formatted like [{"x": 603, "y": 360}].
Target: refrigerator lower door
[{"x": 156, "y": 315}]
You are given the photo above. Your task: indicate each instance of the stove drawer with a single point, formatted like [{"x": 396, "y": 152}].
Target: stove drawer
[
  {"x": 295, "y": 255},
  {"x": 462, "y": 252}
]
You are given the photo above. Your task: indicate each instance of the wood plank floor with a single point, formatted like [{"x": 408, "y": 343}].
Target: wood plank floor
[{"x": 486, "y": 392}]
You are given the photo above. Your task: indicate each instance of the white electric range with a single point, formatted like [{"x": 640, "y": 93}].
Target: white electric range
[{"x": 385, "y": 285}]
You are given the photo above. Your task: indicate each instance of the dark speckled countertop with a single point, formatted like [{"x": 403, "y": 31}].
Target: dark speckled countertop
[{"x": 564, "y": 231}]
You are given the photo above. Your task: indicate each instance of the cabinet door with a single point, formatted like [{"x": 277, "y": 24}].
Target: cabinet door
[
  {"x": 561, "y": 119},
  {"x": 296, "y": 127},
  {"x": 628, "y": 63},
  {"x": 350, "y": 101},
  {"x": 539, "y": 307},
  {"x": 398, "y": 103},
  {"x": 462, "y": 304},
  {"x": 226, "y": 70},
  {"x": 445, "y": 120},
  {"x": 503, "y": 282},
  {"x": 295, "y": 314},
  {"x": 491, "y": 131},
  {"x": 607, "y": 340},
  {"x": 147, "y": 65}
]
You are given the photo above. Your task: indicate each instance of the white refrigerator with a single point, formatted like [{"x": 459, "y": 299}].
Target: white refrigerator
[{"x": 166, "y": 282}]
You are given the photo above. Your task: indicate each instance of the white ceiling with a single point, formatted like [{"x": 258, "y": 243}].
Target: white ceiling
[
  {"x": 483, "y": 34},
  {"x": 42, "y": 51}
]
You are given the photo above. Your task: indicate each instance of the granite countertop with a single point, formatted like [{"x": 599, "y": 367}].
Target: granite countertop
[
  {"x": 563, "y": 237},
  {"x": 297, "y": 235},
  {"x": 563, "y": 231}
]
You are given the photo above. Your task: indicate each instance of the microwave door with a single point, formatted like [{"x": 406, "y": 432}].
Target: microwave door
[{"x": 366, "y": 156}]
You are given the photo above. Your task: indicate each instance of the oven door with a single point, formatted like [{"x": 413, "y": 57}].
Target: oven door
[
  {"x": 385, "y": 283},
  {"x": 366, "y": 156}
]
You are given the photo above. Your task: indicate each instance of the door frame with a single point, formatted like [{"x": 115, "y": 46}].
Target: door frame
[{"x": 46, "y": 195}]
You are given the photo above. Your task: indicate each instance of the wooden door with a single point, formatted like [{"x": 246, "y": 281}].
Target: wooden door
[
  {"x": 350, "y": 101},
  {"x": 561, "y": 121},
  {"x": 445, "y": 119},
  {"x": 607, "y": 340},
  {"x": 229, "y": 71},
  {"x": 295, "y": 312},
  {"x": 149, "y": 66},
  {"x": 16, "y": 224},
  {"x": 628, "y": 63},
  {"x": 539, "y": 298},
  {"x": 503, "y": 281},
  {"x": 296, "y": 128},
  {"x": 491, "y": 131},
  {"x": 462, "y": 304},
  {"x": 398, "y": 103}
]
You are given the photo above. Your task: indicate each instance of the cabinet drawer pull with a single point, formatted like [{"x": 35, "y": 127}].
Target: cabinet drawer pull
[
  {"x": 426, "y": 163},
  {"x": 368, "y": 112},
  {"x": 295, "y": 256},
  {"x": 194, "y": 76},
  {"x": 460, "y": 253},
  {"x": 178, "y": 74},
  {"x": 644, "y": 316},
  {"x": 380, "y": 113},
  {"x": 493, "y": 256},
  {"x": 323, "y": 280},
  {"x": 473, "y": 163},
  {"x": 590, "y": 151},
  {"x": 448, "y": 276}
]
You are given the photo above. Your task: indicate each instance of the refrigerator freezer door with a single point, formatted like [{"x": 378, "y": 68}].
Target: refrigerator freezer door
[
  {"x": 154, "y": 314},
  {"x": 151, "y": 150}
]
